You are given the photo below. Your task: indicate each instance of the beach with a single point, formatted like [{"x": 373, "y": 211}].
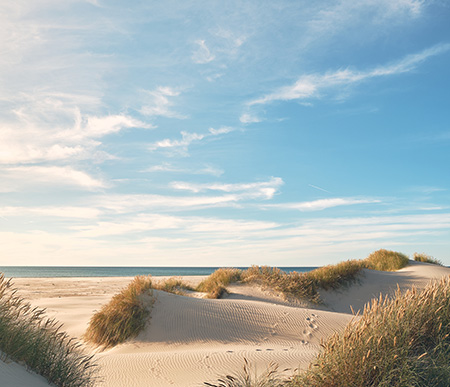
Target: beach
[{"x": 189, "y": 340}]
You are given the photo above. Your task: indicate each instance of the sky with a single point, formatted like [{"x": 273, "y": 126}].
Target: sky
[{"x": 223, "y": 133}]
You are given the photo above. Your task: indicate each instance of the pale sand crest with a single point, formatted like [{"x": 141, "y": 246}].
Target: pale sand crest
[{"x": 190, "y": 340}]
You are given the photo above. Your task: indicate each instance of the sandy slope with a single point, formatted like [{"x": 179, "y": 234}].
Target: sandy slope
[
  {"x": 191, "y": 340},
  {"x": 15, "y": 375}
]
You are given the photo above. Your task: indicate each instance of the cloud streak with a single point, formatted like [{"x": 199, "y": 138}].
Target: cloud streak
[
  {"x": 315, "y": 85},
  {"x": 202, "y": 55},
  {"x": 182, "y": 145},
  {"x": 18, "y": 178},
  {"x": 322, "y": 204},
  {"x": 266, "y": 189}
]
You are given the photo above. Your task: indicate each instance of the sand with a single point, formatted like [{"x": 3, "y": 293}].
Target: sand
[{"x": 190, "y": 340}]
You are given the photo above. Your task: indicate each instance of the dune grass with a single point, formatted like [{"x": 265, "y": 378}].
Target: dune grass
[
  {"x": 173, "y": 285},
  {"x": 400, "y": 341},
  {"x": 303, "y": 285},
  {"x": 271, "y": 377},
  {"x": 123, "y": 317},
  {"x": 336, "y": 276},
  {"x": 28, "y": 337},
  {"x": 386, "y": 260},
  {"x": 215, "y": 284},
  {"x": 292, "y": 284},
  {"x": 422, "y": 257}
]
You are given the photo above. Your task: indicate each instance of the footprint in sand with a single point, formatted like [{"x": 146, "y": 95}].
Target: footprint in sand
[{"x": 157, "y": 371}]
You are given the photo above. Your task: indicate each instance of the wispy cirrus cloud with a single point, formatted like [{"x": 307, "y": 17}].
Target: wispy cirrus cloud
[
  {"x": 331, "y": 20},
  {"x": 19, "y": 177},
  {"x": 317, "y": 85},
  {"x": 43, "y": 212},
  {"x": 167, "y": 167},
  {"x": 51, "y": 130},
  {"x": 265, "y": 189},
  {"x": 202, "y": 54},
  {"x": 182, "y": 145},
  {"x": 249, "y": 118},
  {"x": 322, "y": 204},
  {"x": 159, "y": 102}
]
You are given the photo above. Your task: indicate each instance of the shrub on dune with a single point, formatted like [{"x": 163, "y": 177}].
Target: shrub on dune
[
  {"x": 28, "y": 337},
  {"x": 123, "y": 317}
]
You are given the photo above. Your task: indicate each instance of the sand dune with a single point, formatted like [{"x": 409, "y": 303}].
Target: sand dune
[{"x": 191, "y": 340}]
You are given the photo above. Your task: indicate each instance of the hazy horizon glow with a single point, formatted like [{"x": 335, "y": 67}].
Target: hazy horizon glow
[{"x": 223, "y": 134}]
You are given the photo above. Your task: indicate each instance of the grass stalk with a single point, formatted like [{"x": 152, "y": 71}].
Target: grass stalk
[{"x": 28, "y": 337}]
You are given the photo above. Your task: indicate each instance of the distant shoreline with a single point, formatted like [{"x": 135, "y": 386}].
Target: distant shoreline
[{"x": 116, "y": 271}]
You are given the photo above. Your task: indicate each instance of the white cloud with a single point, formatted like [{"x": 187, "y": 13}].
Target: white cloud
[
  {"x": 183, "y": 144},
  {"x": 312, "y": 85},
  {"x": 140, "y": 223},
  {"x": 266, "y": 189},
  {"x": 159, "y": 103},
  {"x": 101, "y": 126},
  {"x": 213, "y": 241},
  {"x": 132, "y": 203},
  {"x": 46, "y": 212},
  {"x": 347, "y": 16},
  {"x": 223, "y": 130},
  {"x": 17, "y": 178},
  {"x": 248, "y": 118},
  {"x": 202, "y": 54},
  {"x": 188, "y": 138},
  {"x": 167, "y": 167},
  {"x": 321, "y": 204},
  {"x": 47, "y": 127}
]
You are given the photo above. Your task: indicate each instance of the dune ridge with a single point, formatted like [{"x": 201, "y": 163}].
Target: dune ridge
[{"x": 190, "y": 340}]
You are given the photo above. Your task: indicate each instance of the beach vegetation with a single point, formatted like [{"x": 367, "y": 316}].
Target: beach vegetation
[
  {"x": 124, "y": 316},
  {"x": 249, "y": 377},
  {"x": 31, "y": 339},
  {"x": 292, "y": 284},
  {"x": 422, "y": 257},
  {"x": 303, "y": 285},
  {"x": 173, "y": 285},
  {"x": 386, "y": 260},
  {"x": 215, "y": 284},
  {"x": 336, "y": 276},
  {"x": 398, "y": 341}
]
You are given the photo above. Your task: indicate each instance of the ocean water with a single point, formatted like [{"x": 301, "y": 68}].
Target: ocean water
[{"x": 101, "y": 271}]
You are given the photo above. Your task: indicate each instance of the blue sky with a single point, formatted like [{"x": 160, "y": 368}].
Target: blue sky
[{"x": 212, "y": 133}]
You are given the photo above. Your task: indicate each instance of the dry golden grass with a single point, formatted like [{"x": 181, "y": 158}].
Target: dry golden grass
[
  {"x": 271, "y": 377},
  {"x": 293, "y": 284},
  {"x": 303, "y": 285},
  {"x": 172, "y": 285},
  {"x": 403, "y": 341},
  {"x": 123, "y": 317},
  {"x": 422, "y": 257},
  {"x": 215, "y": 284},
  {"x": 386, "y": 260},
  {"x": 28, "y": 337},
  {"x": 336, "y": 276}
]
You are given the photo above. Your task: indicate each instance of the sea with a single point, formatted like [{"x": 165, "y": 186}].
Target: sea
[{"x": 116, "y": 271}]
